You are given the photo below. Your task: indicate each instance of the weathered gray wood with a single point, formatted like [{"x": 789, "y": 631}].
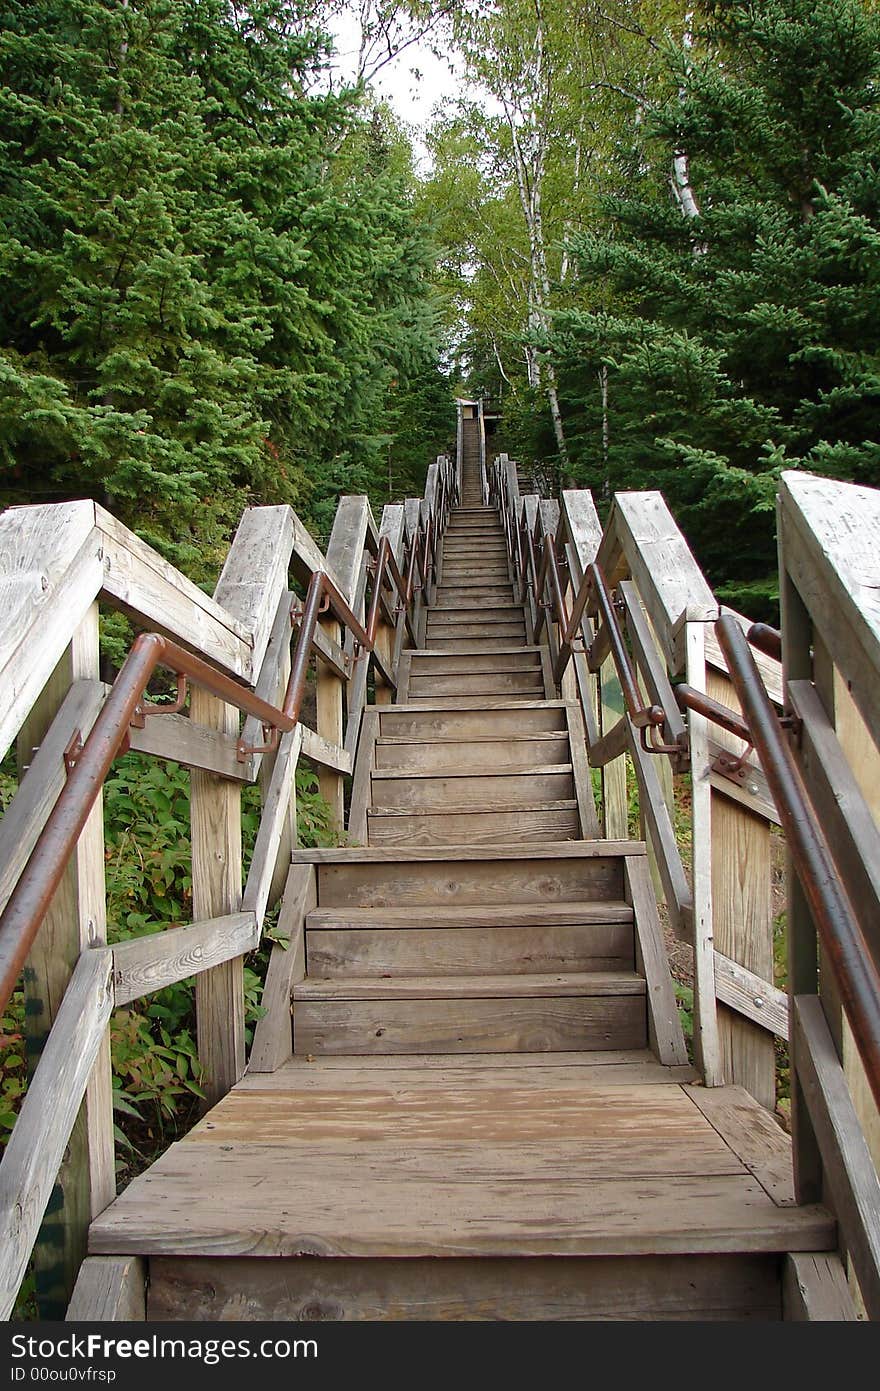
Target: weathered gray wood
[
  {"x": 610, "y": 1288},
  {"x": 182, "y": 740},
  {"x": 48, "y": 1112},
  {"x": 661, "y": 832},
  {"x": 552, "y": 821},
  {"x": 287, "y": 966},
  {"x": 752, "y": 793},
  {"x": 770, "y": 669},
  {"x": 145, "y": 586},
  {"x": 828, "y": 538},
  {"x": 751, "y": 996},
  {"x": 392, "y": 526},
  {"x": 583, "y": 784},
  {"x": 469, "y": 1026},
  {"x": 51, "y": 569},
  {"x": 753, "y": 1135},
  {"x": 144, "y": 964},
  {"x": 254, "y": 574},
  {"x": 110, "y": 1289},
  {"x": 76, "y": 918},
  {"x": 643, "y": 540},
  {"x": 215, "y": 820},
  {"x": 352, "y": 525},
  {"x": 271, "y": 682},
  {"x": 707, "y": 1048},
  {"x": 841, "y": 808},
  {"x": 382, "y": 950},
  {"x": 664, "y": 1025},
  {"x": 611, "y": 745},
  {"x": 534, "y": 986},
  {"x": 582, "y": 524},
  {"x": 814, "y": 1289},
  {"x": 330, "y": 654},
  {"x": 610, "y": 850},
  {"x": 461, "y": 788},
  {"x": 650, "y": 665},
  {"x": 360, "y": 788},
  {"x": 317, "y": 750},
  {"x": 849, "y": 1171},
  {"x": 39, "y": 788},
  {"x": 270, "y": 835}
]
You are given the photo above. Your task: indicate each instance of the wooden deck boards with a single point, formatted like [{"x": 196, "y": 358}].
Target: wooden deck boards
[{"x": 464, "y": 1160}]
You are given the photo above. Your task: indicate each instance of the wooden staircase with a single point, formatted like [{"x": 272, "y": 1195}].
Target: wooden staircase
[{"x": 487, "y": 1073}]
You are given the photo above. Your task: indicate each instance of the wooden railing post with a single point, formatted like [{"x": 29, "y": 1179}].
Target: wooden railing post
[
  {"x": 76, "y": 919},
  {"x": 253, "y": 579}
]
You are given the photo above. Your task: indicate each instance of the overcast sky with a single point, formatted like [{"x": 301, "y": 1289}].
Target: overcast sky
[{"x": 412, "y": 96}]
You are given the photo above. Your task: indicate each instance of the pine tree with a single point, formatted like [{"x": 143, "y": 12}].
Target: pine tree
[{"x": 746, "y": 338}]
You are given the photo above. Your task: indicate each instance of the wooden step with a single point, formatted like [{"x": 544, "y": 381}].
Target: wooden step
[
  {"x": 480, "y": 755},
  {"x": 494, "y": 942},
  {"x": 461, "y": 825},
  {"x": 470, "y": 702},
  {"x": 600, "y": 1289},
  {"x": 514, "y": 659},
  {"x": 466, "y": 874},
  {"x": 475, "y": 612},
  {"x": 440, "y": 633},
  {"x": 492, "y": 1014},
  {"x": 405, "y": 791},
  {"x": 517, "y": 719},
  {"x": 550, "y": 985},
  {"x": 491, "y": 644},
  {"x": 454, "y": 596},
  {"x": 491, "y": 683}
]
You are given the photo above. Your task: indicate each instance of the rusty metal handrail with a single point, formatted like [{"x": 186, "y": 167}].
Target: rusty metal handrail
[
  {"x": 691, "y": 699},
  {"x": 847, "y": 950},
  {"x": 30, "y": 900}
]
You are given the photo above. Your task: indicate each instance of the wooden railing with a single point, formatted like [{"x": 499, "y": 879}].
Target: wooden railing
[
  {"x": 665, "y": 614},
  {"x": 245, "y": 649}
]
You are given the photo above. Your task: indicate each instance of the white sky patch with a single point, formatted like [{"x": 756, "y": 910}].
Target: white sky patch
[{"x": 415, "y": 83}]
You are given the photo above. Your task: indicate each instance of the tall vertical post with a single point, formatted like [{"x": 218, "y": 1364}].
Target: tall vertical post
[
  {"x": 77, "y": 919},
  {"x": 706, "y": 1046}
]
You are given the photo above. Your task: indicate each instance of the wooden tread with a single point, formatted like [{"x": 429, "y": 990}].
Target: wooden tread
[
  {"x": 483, "y": 915},
  {"x": 369, "y": 1158},
  {"x": 483, "y": 987}
]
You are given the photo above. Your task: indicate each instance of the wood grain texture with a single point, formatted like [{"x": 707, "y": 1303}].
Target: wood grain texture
[
  {"x": 215, "y": 818},
  {"x": 51, "y": 569},
  {"x": 470, "y": 1026},
  {"x": 849, "y": 1171},
  {"x": 36, "y": 1147},
  {"x": 254, "y": 574},
  {"x": 742, "y": 918},
  {"x": 441, "y": 1172},
  {"x": 642, "y": 540},
  {"x": 526, "y": 825},
  {"x": 751, "y": 996},
  {"x": 76, "y": 919},
  {"x": 273, "y": 1038},
  {"x": 828, "y": 536},
  {"x": 110, "y": 1289},
  {"x": 271, "y": 842},
  {"x": 815, "y": 1290},
  {"x": 44, "y": 778},
  {"x": 607, "y": 1288},
  {"x": 462, "y": 951},
  {"x": 556, "y": 985},
  {"x": 707, "y": 1046},
  {"x": 145, "y": 964},
  {"x": 578, "y": 1069},
  {"x": 664, "y": 1024},
  {"x": 157, "y": 596}
]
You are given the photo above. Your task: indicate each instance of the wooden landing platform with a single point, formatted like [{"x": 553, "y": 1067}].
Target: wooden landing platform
[{"x": 555, "y": 1155}]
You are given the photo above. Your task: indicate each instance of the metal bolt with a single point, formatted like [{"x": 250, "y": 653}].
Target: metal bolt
[
  {"x": 758, "y": 1002},
  {"x": 753, "y": 788}
]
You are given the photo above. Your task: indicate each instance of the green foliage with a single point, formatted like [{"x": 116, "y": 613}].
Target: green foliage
[
  {"x": 156, "y": 1072},
  {"x": 743, "y": 340},
  {"x": 211, "y": 274}
]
